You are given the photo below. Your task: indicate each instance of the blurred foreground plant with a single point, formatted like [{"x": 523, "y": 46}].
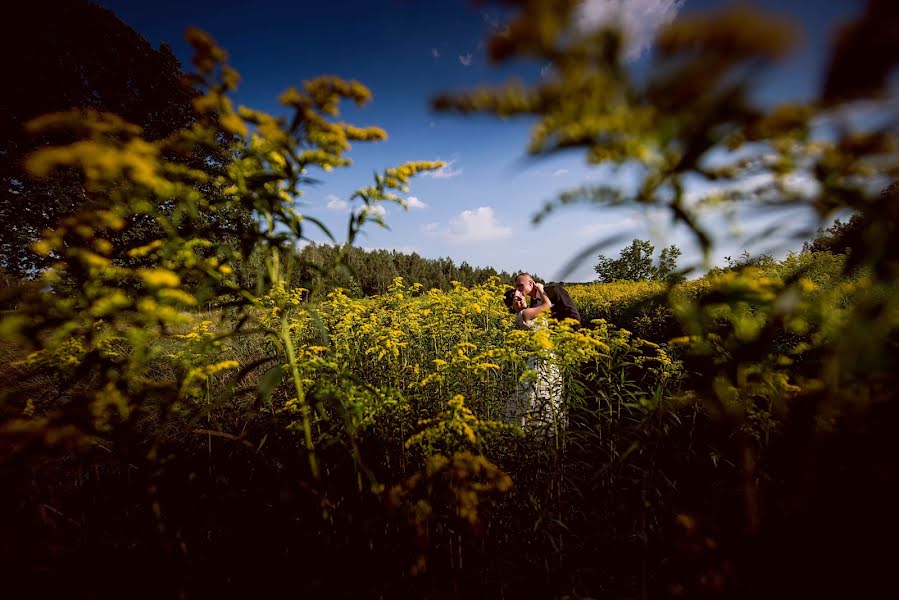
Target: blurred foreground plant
[
  {"x": 779, "y": 362},
  {"x": 93, "y": 320}
]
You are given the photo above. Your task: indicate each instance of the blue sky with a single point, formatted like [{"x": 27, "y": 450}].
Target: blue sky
[{"x": 479, "y": 208}]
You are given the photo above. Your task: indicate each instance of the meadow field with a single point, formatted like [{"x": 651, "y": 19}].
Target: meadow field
[{"x": 190, "y": 408}]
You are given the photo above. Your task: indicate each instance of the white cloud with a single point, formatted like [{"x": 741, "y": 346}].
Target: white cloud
[
  {"x": 377, "y": 210},
  {"x": 802, "y": 183},
  {"x": 444, "y": 172},
  {"x": 558, "y": 172},
  {"x": 639, "y": 19},
  {"x": 430, "y": 227},
  {"x": 435, "y": 52},
  {"x": 335, "y": 203},
  {"x": 465, "y": 59},
  {"x": 477, "y": 225},
  {"x": 413, "y": 202}
]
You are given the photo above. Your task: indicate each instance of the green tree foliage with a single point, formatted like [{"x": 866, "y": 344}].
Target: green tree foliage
[
  {"x": 635, "y": 263},
  {"x": 667, "y": 268},
  {"x": 848, "y": 237},
  {"x": 746, "y": 259},
  {"x": 838, "y": 238},
  {"x": 372, "y": 272},
  {"x": 81, "y": 56}
]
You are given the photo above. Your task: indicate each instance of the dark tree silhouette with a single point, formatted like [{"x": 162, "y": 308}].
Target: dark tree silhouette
[{"x": 63, "y": 54}]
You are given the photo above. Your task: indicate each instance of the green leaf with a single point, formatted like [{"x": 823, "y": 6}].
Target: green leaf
[
  {"x": 265, "y": 437},
  {"x": 269, "y": 382}
]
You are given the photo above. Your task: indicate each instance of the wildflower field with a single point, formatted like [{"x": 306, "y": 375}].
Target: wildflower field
[{"x": 176, "y": 423}]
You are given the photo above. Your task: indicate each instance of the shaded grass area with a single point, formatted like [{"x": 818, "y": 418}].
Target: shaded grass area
[{"x": 648, "y": 503}]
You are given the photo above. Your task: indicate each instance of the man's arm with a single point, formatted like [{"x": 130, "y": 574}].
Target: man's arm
[{"x": 542, "y": 302}]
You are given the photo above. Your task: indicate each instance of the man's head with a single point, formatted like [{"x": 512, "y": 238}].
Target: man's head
[{"x": 524, "y": 283}]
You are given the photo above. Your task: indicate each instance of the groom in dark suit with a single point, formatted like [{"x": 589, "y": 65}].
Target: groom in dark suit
[{"x": 562, "y": 307}]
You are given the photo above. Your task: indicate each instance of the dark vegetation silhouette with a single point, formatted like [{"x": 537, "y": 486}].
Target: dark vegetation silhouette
[{"x": 59, "y": 55}]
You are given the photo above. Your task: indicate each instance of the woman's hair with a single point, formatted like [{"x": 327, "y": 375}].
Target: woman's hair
[{"x": 509, "y": 298}]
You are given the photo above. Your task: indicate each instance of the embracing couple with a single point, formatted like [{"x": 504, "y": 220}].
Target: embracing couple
[
  {"x": 553, "y": 298},
  {"x": 537, "y": 403}
]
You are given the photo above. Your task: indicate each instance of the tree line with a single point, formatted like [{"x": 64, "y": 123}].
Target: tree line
[{"x": 361, "y": 272}]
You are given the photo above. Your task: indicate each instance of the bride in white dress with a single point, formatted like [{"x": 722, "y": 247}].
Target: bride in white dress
[{"x": 537, "y": 403}]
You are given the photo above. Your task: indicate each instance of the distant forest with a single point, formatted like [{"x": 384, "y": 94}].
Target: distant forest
[{"x": 371, "y": 272}]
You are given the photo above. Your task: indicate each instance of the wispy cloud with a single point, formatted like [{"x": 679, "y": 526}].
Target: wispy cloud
[
  {"x": 444, "y": 172},
  {"x": 465, "y": 59},
  {"x": 478, "y": 225},
  {"x": 412, "y": 202},
  {"x": 430, "y": 227},
  {"x": 594, "y": 229},
  {"x": 558, "y": 172},
  {"x": 799, "y": 182},
  {"x": 491, "y": 20},
  {"x": 494, "y": 24},
  {"x": 638, "y": 19},
  {"x": 435, "y": 53},
  {"x": 335, "y": 203}
]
